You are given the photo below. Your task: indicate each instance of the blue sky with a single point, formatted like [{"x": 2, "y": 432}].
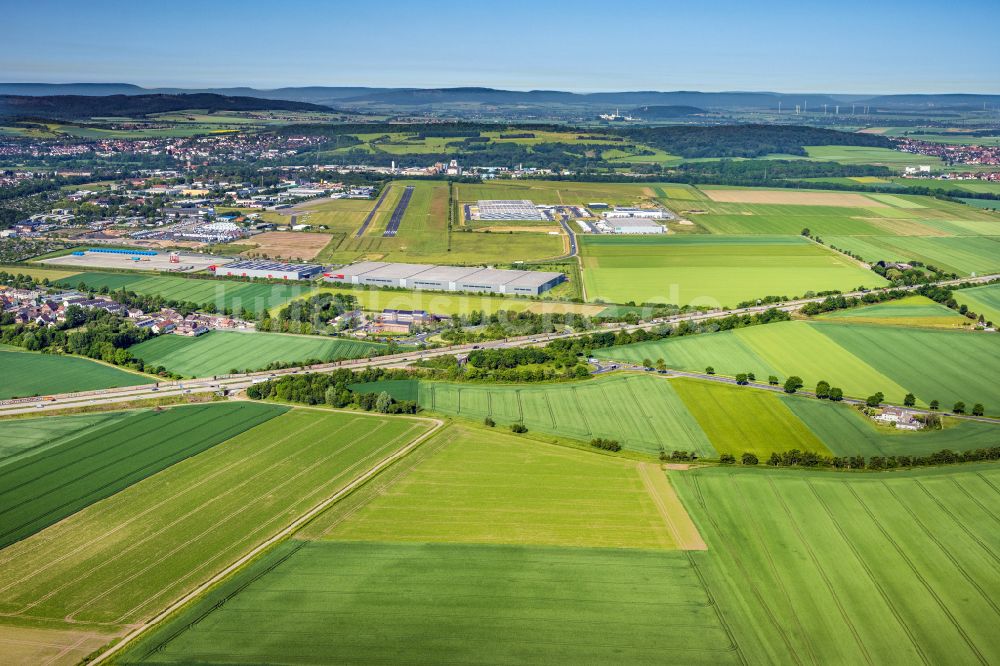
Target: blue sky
[{"x": 789, "y": 46}]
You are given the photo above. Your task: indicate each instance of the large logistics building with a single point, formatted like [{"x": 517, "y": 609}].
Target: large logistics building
[
  {"x": 262, "y": 268},
  {"x": 447, "y": 278},
  {"x": 506, "y": 209},
  {"x": 629, "y": 225}
]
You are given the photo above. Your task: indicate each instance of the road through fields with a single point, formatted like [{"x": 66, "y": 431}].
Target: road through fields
[{"x": 237, "y": 382}]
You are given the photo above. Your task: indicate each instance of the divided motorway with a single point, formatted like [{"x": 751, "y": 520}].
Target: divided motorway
[{"x": 237, "y": 382}]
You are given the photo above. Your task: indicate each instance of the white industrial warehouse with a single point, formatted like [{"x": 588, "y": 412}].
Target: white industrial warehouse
[
  {"x": 262, "y": 268},
  {"x": 446, "y": 278},
  {"x": 504, "y": 209}
]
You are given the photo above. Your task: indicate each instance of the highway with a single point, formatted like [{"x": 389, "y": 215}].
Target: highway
[{"x": 237, "y": 382}]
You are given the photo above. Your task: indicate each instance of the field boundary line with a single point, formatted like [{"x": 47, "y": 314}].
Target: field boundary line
[
  {"x": 253, "y": 533},
  {"x": 280, "y": 536},
  {"x": 694, "y": 540},
  {"x": 734, "y": 644}
]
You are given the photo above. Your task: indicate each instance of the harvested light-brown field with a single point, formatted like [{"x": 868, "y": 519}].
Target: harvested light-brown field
[
  {"x": 28, "y": 645},
  {"x": 848, "y": 199},
  {"x": 289, "y": 244}
]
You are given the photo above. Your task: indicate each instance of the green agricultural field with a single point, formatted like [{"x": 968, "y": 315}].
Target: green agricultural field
[
  {"x": 983, "y": 204},
  {"x": 400, "y": 389},
  {"x": 847, "y": 432},
  {"x": 712, "y": 270},
  {"x": 20, "y": 438},
  {"x": 59, "y": 478},
  {"x": 737, "y": 419},
  {"x": 845, "y": 568},
  {"x": 643, "y": 413},
  {"x": 331, "y": 602},
  {"x": 476, "y": 485},
  {"x": 28, "y": 373},
  {"x": 256, "y": 297},
  {"x": 933, "y": 365},
  {"x": 220, "y": 352},
  {"x": 836, "y": 214},
  {"x": 123, "y": 559},
  {"x": 52, "y": 274},
  {"x": 789, "y": 220},
  {"x": 860, "y": 359},
  {"x": 982, "y": 300},
  {"x": 963, "y": 255},
  {"x": 825, "y": 568},
  {"x": 910, "y": 311},
  {"x": 893, "y": 159}
]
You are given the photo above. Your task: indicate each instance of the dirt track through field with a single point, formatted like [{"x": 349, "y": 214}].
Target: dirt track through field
[
  {"x": 683, "y": 529},
  {"x": 286, "y": 532}
]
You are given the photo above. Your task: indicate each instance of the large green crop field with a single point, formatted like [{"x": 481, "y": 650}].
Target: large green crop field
[
  {"x": 220, "y": 352},
  {"x": 467, "y": 555},
  {"x": 713, "y": 270},
  {"x": 475, "y": 485},
  {"x": 846, "y": 569},
  {"x": 221, "y": 293},
  {"x": 122, "y": 559},
  {"x": 861, "y": 359},
  {"x": 441, "y": 603},
  {"x": 982, "y": 300},
  {"x": 27, "y": 373},
  {"x": 44, "y": 487},
  {"x": 643, "y": 413}
]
